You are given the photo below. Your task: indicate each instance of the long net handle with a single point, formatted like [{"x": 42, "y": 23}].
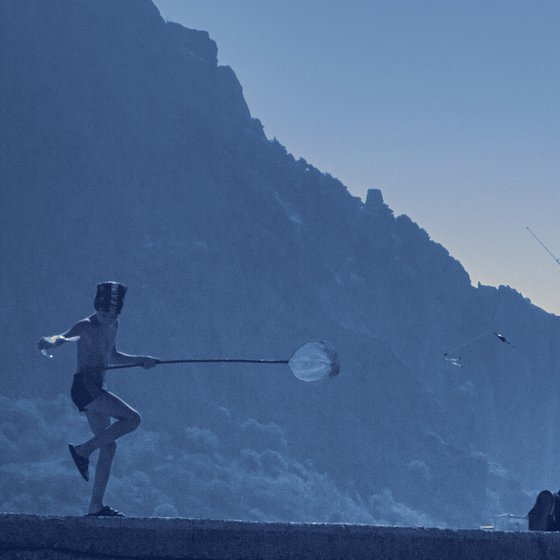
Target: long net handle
[
  {"x": 311, "y": 362},
  {"x": 203, "y": 361}
]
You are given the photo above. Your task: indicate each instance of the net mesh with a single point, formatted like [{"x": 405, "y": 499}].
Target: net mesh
[{"x": 314, "y": 361}]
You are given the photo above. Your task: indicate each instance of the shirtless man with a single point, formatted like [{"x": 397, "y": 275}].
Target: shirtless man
[{"x": 96, "y": 350}]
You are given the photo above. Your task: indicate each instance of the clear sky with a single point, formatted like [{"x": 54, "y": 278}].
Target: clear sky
[{"x": 451, "y": 108}]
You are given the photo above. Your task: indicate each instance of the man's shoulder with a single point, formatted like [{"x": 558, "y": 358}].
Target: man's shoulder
[
  {"x": 85, "y": 323},
  {"x": 80, "y": 328}
]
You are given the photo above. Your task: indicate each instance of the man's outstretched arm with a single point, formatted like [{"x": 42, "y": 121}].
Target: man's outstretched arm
[{"x": 71, "y": 335}]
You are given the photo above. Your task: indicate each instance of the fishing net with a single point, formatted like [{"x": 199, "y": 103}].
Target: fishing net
[{"x": 314, "y": 361}]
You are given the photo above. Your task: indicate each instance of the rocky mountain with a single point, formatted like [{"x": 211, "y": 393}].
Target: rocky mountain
[{"x": 128, "y": 153}]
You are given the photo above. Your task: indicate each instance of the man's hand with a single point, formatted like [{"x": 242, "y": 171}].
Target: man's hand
[
  {"x": 47, "y": 342},
  {"x": 44, "y": 343},
  {"x": 147, "y": 362}
]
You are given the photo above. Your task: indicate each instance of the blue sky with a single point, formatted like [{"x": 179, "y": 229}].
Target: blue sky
[{"x": 450, "y": 108}]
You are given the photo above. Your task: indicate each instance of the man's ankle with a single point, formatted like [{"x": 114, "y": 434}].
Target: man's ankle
[{"x": 94, "y": 508}]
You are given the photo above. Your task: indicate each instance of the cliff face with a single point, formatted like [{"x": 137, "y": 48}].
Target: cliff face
[{"x": 128, "y": 153}]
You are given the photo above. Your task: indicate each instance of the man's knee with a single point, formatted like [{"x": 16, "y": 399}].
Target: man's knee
[
  {"x": 131, "y": 420},
  {"x": 135, "y": 420}
]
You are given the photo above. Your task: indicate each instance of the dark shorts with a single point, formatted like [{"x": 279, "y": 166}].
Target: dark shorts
[{"x": 85, "y": 390}]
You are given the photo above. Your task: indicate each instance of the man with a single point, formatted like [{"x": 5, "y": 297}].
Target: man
[{"x": 96, "y": 349}]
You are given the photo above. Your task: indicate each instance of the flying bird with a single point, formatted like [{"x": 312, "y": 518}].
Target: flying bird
[
  {"x": 459, "y": 361},
  {"x": 454, "y": 361},
  {"x": 504, "y": 339}
]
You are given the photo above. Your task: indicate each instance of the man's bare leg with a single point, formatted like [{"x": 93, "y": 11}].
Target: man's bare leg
[
  {"x": 109, "y": 406},
  {"x": 99, "y": 414},
  {"x": 99, "y": 423}
]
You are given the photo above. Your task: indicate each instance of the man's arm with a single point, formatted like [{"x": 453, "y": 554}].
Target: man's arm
[
  {"x": 71, "y": 335},
  {"x": 120, "y": 358}
]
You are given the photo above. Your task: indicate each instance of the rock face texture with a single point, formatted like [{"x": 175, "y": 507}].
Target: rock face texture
[{"x": 53, "y": 538}]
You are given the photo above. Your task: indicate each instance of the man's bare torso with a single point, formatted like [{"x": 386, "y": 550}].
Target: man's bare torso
[{"x": 95, "y": 346}]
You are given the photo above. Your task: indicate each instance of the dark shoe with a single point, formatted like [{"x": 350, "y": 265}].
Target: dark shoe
[
  {"x": 81, "y": 462},
  {"x": 106, "y": 511},
  {"x": 541, "y": 511}
]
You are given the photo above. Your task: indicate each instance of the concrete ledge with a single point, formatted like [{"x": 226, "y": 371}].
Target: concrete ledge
[{"x": 31, "y": 537}]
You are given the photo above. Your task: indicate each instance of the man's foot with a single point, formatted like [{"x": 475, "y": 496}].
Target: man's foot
[
  {"x": 106, "y": 511},
  {"x": 539, "y": 514},
  {"x": 81, "y": 462}
]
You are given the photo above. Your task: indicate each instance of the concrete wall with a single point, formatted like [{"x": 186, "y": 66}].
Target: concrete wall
[{"x": 25, "y": 537}]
